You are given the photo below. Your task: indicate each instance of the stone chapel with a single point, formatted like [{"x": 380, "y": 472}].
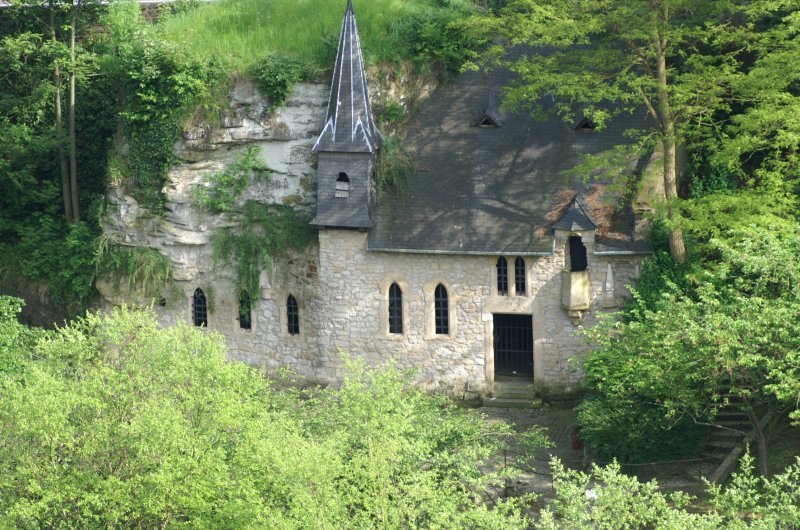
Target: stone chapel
[{"x": 480, "y": 270}]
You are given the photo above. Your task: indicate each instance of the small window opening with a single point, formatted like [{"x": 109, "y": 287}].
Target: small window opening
[
  {"x": 199, "y": 309},
  {"x": 586, "y": 125},
  {"x": 487, "y": 122},
  {"x": 395, "y": 309},
  {"x": 519, "y": 276},
  {"x": 292, "y": 316},
  {"x": 440, "y": 306},
  {"x": 502, "y": 275},
  {"x": 577, "y": 254},
  {"x": 245, "y": 320},
  {"x": 342, "y": 186}
]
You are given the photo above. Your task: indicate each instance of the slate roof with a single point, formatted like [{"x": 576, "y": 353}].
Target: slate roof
[
  {"x": 576, "y": 218},
  {"x": 485, "y": 190},
  {"x": 349, "y": 125}
]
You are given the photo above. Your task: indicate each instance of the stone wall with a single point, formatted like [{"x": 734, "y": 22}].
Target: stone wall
[
  {"x": 342, "y": 289},
  {"x": 352, "y": 312}
]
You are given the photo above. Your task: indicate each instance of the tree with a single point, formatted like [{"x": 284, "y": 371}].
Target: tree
[
  {"x": 121, "y": 423},
  {"x": 728, "y": 333},
  {"x": 676, "y": 58},
  {"x": 61, "y": 21},
  {"x": 605, "y": 498}
]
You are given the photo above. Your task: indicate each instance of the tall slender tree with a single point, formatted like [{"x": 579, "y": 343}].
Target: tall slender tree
[{"x": 676, "y": 58}]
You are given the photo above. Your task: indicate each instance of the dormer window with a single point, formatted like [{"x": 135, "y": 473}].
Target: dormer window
[
  {"x": 342, "y": 186},
  {"x": 585, "y": 125},
  {"x": 487, "y": 123}
]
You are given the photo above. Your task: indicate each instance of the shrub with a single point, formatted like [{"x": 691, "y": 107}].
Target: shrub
[
  {"x": 277, "y": 74},
  {"x": 121, "y": 423}
]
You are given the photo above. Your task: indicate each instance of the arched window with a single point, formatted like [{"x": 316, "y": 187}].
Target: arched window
[
  {"x": 441, "y": 310},
  {"x": 292, "y": 316},
  {"x": 199, "y": 308},
  {"x": 245, "y": 319},
  {"x": 342, "y": 186},
  {"x": 395, "y": 309},
  {"x": 577, "y": 254},
  {"x": 502, "y": 275},
  {"x": 519, "y": 276}
]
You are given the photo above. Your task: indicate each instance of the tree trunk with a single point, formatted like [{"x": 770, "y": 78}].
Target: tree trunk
[
  {"x": 761, "y": 441},
  {"x": 677, "y": 248},
  {"x": 62, "y": 156},
  {"x": 73, "y": 161}
]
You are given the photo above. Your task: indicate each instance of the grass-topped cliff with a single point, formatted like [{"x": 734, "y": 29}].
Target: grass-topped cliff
[{"x": 238, "y": 33}]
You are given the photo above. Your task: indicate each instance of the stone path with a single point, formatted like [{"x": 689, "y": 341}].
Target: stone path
[{"x": 560, "y": 420}]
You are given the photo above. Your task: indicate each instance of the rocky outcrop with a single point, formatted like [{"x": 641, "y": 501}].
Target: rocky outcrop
[{"x": 183, "y": 232}]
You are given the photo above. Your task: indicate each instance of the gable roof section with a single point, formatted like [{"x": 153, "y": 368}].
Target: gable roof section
[
  {"x": 349, "y": 125},
  {"x": 479, "y": 190},
  {"x": 576, "y": 218}
]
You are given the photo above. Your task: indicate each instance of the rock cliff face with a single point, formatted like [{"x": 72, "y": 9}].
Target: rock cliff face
[{"x": 183, "y": 233}]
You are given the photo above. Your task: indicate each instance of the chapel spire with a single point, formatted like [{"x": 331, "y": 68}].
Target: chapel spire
[{"x": 349, "y": 125}]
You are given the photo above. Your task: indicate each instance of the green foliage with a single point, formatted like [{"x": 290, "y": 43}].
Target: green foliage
[
  {"x": 277, "y": 75},
  {"x": 435, "y": 39},
  {"x": 239, "y": 33},
  {"x": 161, "y": 83},
  {"x": 393, "y": 168},
  {"x": 146, "y": 270},
  {"x": 122, "y": 423},
  {"x": 15, "y": 339},
  {"x": 605, "y": 498},
  {"x": 633, "y": 430},
  {"x": 265, "y": 233},
  {"x": 61, "y": 254},
  {"x": 725, "y": 324},
  {"x": 390, "y": 113},
  {"x": 221, "y": 192}
]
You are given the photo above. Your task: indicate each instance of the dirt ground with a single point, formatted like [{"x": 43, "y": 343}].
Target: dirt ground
[{"x": 560, "y": 421}]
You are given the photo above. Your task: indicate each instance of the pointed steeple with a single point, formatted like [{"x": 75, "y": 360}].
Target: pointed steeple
[{"x": 349, "y": 126}]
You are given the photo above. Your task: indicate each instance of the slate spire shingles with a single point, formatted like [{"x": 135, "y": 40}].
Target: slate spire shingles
[{"x": 349, "y": 125}]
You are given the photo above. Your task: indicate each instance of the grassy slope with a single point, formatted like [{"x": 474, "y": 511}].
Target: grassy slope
[{"x": 240, "y": 32}]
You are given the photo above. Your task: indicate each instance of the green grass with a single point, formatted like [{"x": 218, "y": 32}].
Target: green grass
[{"x": 240, "y": 32}]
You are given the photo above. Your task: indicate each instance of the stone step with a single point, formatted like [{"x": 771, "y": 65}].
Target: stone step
[
  {"x": 722, "y": 444},
  {"x": 732, "y": 423},
  {"x": 512, "y": 403},
  {"x": 513, "y": 394},
  {"x": 731, "y": 415},
  {"x": 725, "y": 435},
  {"x": 517, "y": 385}
]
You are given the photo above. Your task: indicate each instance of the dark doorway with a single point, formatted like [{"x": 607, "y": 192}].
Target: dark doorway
[{"x": 513, "y": 345}]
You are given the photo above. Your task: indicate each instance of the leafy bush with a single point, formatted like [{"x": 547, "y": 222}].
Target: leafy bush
[
  {"x": 60, "y": 254},
  {"x": 393, "y": 168},
  {"x": 122, "y": 423},
  {"x": 161, "y": 83},
  {"x": 221, "y": 192},
  {"x": 145, "y": 268},
  {"x": 277, "y": 74},
  {"x": 16, "y": 340},
  {"x": 605, "y": 498},
  {"x": 634, "y": 430},
  {"x": 723, "y": 326}
]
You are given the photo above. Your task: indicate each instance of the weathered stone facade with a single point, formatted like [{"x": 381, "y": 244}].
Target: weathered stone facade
[{"x": 342, "y": 288}]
